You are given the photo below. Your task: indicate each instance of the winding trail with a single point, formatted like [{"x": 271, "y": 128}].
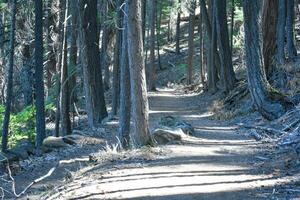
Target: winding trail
[{"x": 217, "y": 163}]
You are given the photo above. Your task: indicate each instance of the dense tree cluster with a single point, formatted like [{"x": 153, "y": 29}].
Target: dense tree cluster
[{"x": 70, "y": 53}]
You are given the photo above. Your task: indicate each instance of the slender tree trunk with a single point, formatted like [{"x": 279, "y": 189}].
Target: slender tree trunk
[
  {"x": 90, "y": 60},
  {"x": 104, "y": 49},
  {"x": 191, "y": 43},
  {"x": 73, "y": 71},
  {"x": 39, "y": 75},
  {"x": 139, "y": 98},
  {"x": 9, "y": 91},
  {"x": 117, "y": 52},
  {"x": 227, "y": 72},
  {"x": 291, "y": 49},
  {"x": 65, "y": 122},
  {"x": 125, "y": 103},
  {"x": 2, "y": 57},
  {"x": 263, "y": 98},
  {"x": 59, "y": 49},
  {"x": 158, "y": 24},
  {"x": 281, "y": 23},
  {"x": 232, "y": 24},
  {"x": 201, "y": 64},
  {"x": 212, "y": 71},
  {"x": 178, "y": 27},
  {"x": 152, "y": 67}
]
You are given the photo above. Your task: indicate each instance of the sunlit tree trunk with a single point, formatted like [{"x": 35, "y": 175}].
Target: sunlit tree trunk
[
  {"x": 267, "y": 101},
  {"x": 125, "y": 103},
  {"x": 139, "y": 98},
  {"x": 191, "y": 42}
]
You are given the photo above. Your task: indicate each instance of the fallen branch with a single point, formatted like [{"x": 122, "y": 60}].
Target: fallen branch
[
  {"x": 262, "y": 128},
  {"x": 50, "y": 172}
]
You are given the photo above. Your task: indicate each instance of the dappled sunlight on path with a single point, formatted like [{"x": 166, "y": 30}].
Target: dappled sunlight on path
[{"x": 215, "y": 163}]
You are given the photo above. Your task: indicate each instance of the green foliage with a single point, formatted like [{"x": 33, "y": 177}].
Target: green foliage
[{"x": 22, "y": 124}]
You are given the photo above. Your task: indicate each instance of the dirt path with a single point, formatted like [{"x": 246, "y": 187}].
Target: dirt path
[{"x": 218, "y": 163}]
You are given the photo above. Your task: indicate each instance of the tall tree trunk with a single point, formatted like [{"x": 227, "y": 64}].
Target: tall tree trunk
[
  {"x": 227, "y": 73},
  {"x": 201, "y": 64},
  {"x": 65, "y": 122},
  {"x": 178, "y": 27},
  {"x": 9, "y": 91},
  {"x": 139, "y": 98},
  {"x": 269, "y": 27},
  {"x": 232, "y": 24},
  {"x": 73, "y": 71},
  {"x": 265, "y": 100},
  {"x": 39, "y": 75},
  {"x": 191, "y": 42},
  {"x": 158, "y": 24},
  {"x": 125, "y": 103},
  {"x": 2, "y": 57},
  {"x": 59, "y": 49},
  {"x": 291, "y": 49},
  {"x": 117, "y": 52},
  {"x": 104, "y": 48},
  {"x": 280, "y": 33},
  {"x": 152, "y": 67},
  {"x": 90, "y": 60},
  {"x": 212, "y": 70}
]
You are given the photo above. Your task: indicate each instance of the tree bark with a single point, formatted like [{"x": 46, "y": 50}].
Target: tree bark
[
  {"x": 65, "y": 122},
  {"x": 137, "y": 75},
  {"x": 117, "y": 53},
  {"x": 39, "y": 75},
  {"x": 9, "y": 91},
  {"x": 269, "y": 27},
  {"x": 90, "y": 60},
  {"x": 266, "y": 100},
  {"x": 191, "y": 42},
  {"x": 280, "y": 34},
  {"x": 227, "y": 72},
  {"x": 125, "y": 103},
  {"x": 152, "y": 67},
  {"x": 59, "y": 49}
]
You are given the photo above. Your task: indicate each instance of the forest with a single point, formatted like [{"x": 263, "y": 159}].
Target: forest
[{"x": 150, "y": 99}]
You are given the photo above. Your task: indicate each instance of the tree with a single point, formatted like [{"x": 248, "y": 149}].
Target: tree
[
  {"x": 269, "y": 27},
  {"x": 178, "y": 27},
  {"x": 125, "y": 103},
  {"x": 9, "y": 91},
  {"x": 137, "y": 75},
  {"x": 39, "y": 74},
  {"x": 90, "y": 60},
  {"x": 280, "y": 34},
  {"x": 270, "y": 103},
  {"x": 227, "y": 73},
  {"x": 117, "y": 53},
  {"x": 59, "y": 51},
  {"x": 152, "y": 67},
  {"x": 191, "y": 42},
  {"x": 65, "y": 122}
]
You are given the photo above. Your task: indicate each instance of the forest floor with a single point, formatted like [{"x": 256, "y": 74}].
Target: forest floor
[{"x": 218, "y": 162}]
